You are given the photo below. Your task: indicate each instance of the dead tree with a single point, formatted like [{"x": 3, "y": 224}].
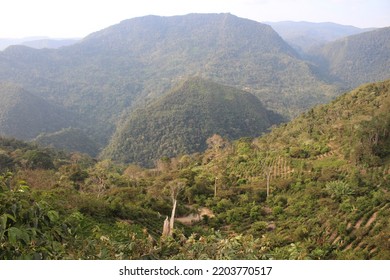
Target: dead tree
[
  {"x": 175, "y": 187},
  {"x": 266, "y": 167},
  {"x": 166, "y": 229}
]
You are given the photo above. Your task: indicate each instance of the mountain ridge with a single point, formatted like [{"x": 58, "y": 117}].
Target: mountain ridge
[
  {"x": 356, "y": 59},
  {"x": 24, "y": 115},
  {"x": 304, "y": 35},
  {"x": 37, "y": 42},
  {"x": 118, "y": 69}
]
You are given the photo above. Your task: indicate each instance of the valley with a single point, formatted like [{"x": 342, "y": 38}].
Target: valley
[{"x": 204, "y": 136}]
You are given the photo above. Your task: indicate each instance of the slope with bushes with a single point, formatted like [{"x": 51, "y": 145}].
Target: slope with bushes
[{"x": 314, "y": 188}]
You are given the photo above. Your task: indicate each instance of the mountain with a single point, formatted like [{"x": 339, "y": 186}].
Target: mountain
[
  {"x": 304, "y": 35},
  {"x": 6, "y": 42},
  {"x": 112, "y": 71},
  {"x": 316, "y": 188},
  {"x": 69, "y": 139},
  {"x": 49, "y": 43},
  {"x": 356, "y": 59},
  {"x": 24, "y": 115},
  {"x": 222, "y": 47},
  {"x": 37, "y": 42},
  {"x": 354, "y": 128},
  {"x": 320, "y": 182},
  {"x": 181, "y": 121}
]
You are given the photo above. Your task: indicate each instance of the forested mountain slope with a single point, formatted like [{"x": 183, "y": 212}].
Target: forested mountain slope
[
  {"x": 69, "y": 139},
  {"x": 314, "y": 188},
  {"x": 304, "y": 35},
  {"x": 24, "y": 115},
  {"x": 356, "y": 59},
  {"x": 183, "y": 119},
  {"x": 328, "y": 175},
  {"x": 114, "y": 70},
  {"x": 225, "y": 48}
]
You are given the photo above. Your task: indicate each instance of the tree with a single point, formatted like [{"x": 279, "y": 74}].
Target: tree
[
  {"x": 134, "y": 173},
  {"x": 6, "y": 162},
  {"x": 215, "y": 145},
  {"x": 266, "y": 165},
  {"x": 267, "y": 169},
  {"x": 175, "y": 187},
  {"x": 215, "y": 186},
  {"x": 216, "y": 142},
  {"x": 339, "y": 189},
  {"x": 102, "y": 176},
  {"x": 38, "y": 159},
  {"x": 5, "y": 181},
  {"x": 218, "y": 150}
]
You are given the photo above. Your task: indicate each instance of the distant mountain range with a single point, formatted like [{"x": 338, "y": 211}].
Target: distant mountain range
[
  {"x": 304, "y": 35},
  {"x": 24, "y": 115},
  {"x": 37, "y": 42},
  {"x": 101, "y": 81},
  {"x": 356, "y": 59}
]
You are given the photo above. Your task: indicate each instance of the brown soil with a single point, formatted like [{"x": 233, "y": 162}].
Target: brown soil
[{"x": 193, "y": 218}]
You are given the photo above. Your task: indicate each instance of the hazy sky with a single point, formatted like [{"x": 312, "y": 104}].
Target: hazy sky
[{"x": 78, "y": 18}]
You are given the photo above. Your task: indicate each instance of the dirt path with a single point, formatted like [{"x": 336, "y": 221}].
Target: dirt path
[
  {"x": 357, "y": 225},
  {"x": 371, "y": 220},
  {"x": 192, "y": 218}
]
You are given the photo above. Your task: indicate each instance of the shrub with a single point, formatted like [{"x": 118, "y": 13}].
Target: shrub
[
  {"x": 258, "y": 228},
  {"x": 339, "y": 189}
]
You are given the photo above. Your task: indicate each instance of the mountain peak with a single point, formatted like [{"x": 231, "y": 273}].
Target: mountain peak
[{"x": 213, "y": 29}]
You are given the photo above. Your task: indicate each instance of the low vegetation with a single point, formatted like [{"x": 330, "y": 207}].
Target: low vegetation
[{"x": 314, "y": 188}]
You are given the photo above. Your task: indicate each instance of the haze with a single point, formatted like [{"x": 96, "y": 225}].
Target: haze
[{"x": 75, "y": 18}]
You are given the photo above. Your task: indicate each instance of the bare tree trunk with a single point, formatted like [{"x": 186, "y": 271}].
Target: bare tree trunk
[
  {"x": 166, "y": 230},
  {"x": 215, "y": 187},
  {"x": 175, "y": 187},
  {"x": 268, "y": 181},
  {"x": 172, "y": 221}
]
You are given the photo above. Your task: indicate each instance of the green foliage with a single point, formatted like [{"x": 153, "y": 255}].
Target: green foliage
[
  {"x": 24, "y": 115},
  {"x": 28, "y": 228},
  {"x": 69, "y": 139},
  {"x": 339, "y": 189},
  {"x": 182, "y": 121},
  {"x": 6, "y": 162},
  {"x": 327, "y": 173},
  {"x": 351, "y": 61},
  {"x": 305, "y": 35},
  {"x": 258, "y": 228},
  {"x": 38, "y": 159},
  {"x": 90, "y": 85}
]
